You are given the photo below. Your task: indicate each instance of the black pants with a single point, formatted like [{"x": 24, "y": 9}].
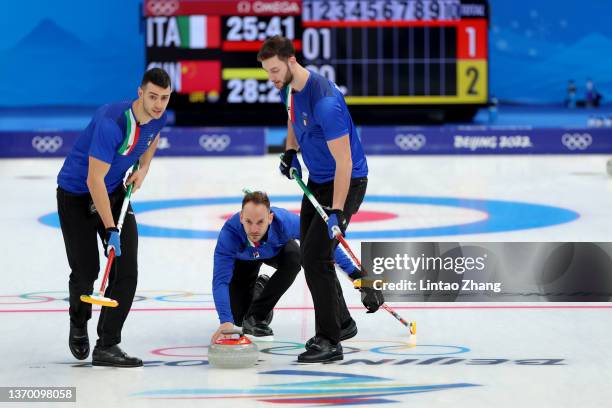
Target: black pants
[
  {"x": 317, "y": 256},
  {"x": 81, "y": 228},
  {"x": 287, "y": 264}
]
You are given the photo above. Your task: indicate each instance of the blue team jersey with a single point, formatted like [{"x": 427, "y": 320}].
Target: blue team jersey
[
  {"x": 114, "y": 137},
  {"x": 319, "y": 114},
  {"x": 233, "y": 244}
]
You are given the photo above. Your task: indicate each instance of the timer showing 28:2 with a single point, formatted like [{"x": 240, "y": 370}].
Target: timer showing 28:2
[{"x": 252, "y": 91}]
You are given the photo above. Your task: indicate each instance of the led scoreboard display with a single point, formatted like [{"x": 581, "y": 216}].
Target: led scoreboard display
[{"x": 389, "y": 57}]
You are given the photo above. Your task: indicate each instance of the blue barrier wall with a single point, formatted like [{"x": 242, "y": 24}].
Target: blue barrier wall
[
  {"x": 412, "y": 140},
  {"x": 204, "y": 141},
  {"x": 484, "y": 140}
]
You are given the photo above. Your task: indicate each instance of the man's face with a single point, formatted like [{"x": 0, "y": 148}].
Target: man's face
[
  {"x": 255, "y": 219},
  {"x": 278, "y": 71},
  {"x": 154, "y": 99}
]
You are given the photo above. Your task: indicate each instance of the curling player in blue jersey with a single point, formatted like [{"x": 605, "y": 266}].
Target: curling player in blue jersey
[
  {"x": 256, "y": 235},
  {"x": 320, "y": 125},
  {"x": 90, "y": 194}
]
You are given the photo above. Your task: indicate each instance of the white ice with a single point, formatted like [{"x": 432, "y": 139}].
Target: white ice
[{"x": 465, "y": 356}]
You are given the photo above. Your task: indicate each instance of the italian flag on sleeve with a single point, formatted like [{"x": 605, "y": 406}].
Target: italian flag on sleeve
[{"x": 132, "y": 131}]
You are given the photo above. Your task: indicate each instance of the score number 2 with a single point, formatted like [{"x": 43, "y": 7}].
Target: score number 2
[
  {"x": 472, "y": 80},
  {"x": 472, "y": 74}
]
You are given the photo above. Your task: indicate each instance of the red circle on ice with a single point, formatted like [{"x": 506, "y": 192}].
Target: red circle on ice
[{"x": 361, "y": 216}]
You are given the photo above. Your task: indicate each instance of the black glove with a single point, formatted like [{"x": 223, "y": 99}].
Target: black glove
[
  {"x": 288, "y": 161},
  {"x": 371, "y": 298},
  {"x": 357, "y": 274},
  {"x": 336, "y": 218}
]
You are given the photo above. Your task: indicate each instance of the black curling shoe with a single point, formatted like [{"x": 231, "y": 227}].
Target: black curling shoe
[
  {"x": 113, "y": 356},
  {"x": 321, "y": 351},
  {"x": 348, "y": 331},
  {"x": 78, "y": 341}
]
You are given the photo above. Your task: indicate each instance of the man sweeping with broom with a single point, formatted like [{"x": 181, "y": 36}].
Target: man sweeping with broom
[
  {"x": 321, "y": 126},
  {"x": 90, "y": 195}
]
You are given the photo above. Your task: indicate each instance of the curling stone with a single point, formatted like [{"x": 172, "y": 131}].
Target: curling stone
[{"x": 234, "y": 352}]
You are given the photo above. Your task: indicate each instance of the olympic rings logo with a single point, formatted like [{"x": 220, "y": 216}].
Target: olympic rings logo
[
  {"x": 162, "y": 7},
  {"x": 410, "y": 141},
  {"x": 576, "y": 141},
  {"x": 244, "y": 7},
  {"x": 47, "y": 144},
  {"x": 215, "y": 143}
]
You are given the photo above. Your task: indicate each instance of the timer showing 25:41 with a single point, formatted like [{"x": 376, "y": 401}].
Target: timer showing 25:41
[{"x": 251, "y": 28}]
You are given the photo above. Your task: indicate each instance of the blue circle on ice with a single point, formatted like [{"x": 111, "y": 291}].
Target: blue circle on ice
[
  {"x": 503, "y": 216},
  {"x": 419, "y": 350}
]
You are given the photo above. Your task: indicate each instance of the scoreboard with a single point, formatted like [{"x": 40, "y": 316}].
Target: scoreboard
[{"x": 391, "y": 58}]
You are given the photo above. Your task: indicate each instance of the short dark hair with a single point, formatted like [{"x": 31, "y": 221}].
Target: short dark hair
[
  {"x": 277, "y": 46},
  {"x": 156, "y": 76},
  {"x": 256, "y": 197}
]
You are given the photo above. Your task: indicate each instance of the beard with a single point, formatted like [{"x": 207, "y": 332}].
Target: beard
[{"x": 288, "y": 78}]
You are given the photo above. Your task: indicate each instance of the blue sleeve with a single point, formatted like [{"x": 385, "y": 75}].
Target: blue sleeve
[
  {"x": 105, "y": 141},
  {"x": 223, "y": 270},
  {"x": 332, "y": 118},
  {"x": 345, "y": 263}
]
